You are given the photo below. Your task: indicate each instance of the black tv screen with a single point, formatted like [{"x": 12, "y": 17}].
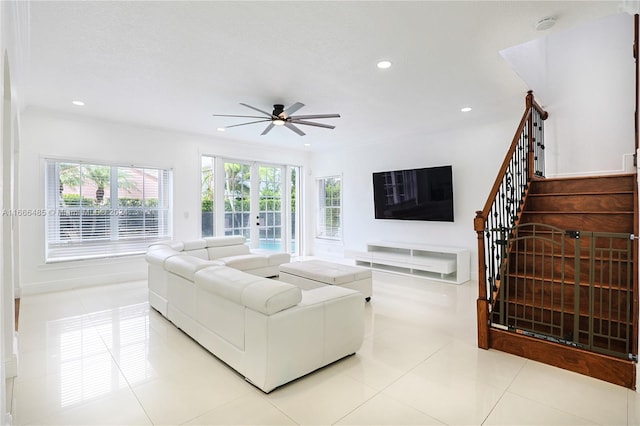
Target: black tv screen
[{"x": 414, "y": 194}]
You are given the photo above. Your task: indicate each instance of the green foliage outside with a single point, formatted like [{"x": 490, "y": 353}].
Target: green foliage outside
[
  {"x": 207, "y": 205},
  {"x": 237, "y": 188},
  {"x": 74, "y": 175},
  {"x": 75, "y": 200},
  {"x": 137, "y": 202}
]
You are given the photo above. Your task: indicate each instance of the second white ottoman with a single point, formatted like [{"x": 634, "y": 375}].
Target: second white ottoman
[{"x": 309, "y": 274}]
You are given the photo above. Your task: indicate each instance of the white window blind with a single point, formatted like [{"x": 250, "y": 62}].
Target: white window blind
[
  {"x": 329, "y": 208},
  {"x": 97, "y": 210}
]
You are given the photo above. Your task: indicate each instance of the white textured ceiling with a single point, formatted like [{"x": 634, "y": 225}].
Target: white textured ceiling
[{"x": 173, "y": 64}]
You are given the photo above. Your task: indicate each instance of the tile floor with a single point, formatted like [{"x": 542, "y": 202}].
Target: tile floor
[{"x": 102, "y": 356}]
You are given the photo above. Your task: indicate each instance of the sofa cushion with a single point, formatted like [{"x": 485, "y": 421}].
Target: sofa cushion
[
  {"x": 257, "y": 293},
  {"x": 275, "y": 259},
  {"x": 225, "y": 251},
  {"x": 176, "y": 245},
  {"x": 160, "y": 254},
  {"x": 229, "y": 240},
  {"x": 196, "y": 248},
  {"x": 225, "y": 282},
  {"x": 270, "y": 296},
  {"x": 194, "y": 245},
  {"x": 187, "y": 266},
  {"x": 245, "y": 262}
]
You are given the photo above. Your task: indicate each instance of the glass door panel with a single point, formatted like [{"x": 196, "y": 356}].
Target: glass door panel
[
  {"x": 237, "y": 199},
  {"x": 270, "y": 208},
  {"x": 294, "y": 198}
]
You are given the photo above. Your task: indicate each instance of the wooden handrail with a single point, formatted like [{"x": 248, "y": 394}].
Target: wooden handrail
[
  {"x": 480, "y": 221},
  {"x": 530, "y": 103},
  {"x": 636, "y": 36}
]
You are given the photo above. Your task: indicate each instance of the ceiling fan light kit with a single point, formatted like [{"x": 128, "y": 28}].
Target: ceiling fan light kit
[{"x": 282, "y": 117}]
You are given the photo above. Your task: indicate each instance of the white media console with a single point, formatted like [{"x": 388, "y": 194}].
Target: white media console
[{"x": 449, "y": 264}]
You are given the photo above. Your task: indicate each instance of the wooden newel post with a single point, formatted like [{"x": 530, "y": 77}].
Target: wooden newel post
[
  {"x": 531, "y": 161},
  {"x": 482, "y": 302}
]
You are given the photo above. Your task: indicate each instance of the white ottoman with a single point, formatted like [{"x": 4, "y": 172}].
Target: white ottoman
[{"x": 310, "y": 274}]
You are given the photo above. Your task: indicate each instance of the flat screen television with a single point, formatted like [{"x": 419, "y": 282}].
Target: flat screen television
[{"x": 414, "y": 194}]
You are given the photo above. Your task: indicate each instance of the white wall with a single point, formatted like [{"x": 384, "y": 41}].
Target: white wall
[
  {"x": 47, "y": 134},
  {"x": 584, "y": 78},
  {"x": 475, "y": 154}
]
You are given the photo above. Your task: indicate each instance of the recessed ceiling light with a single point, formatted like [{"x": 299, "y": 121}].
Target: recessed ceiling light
[
  {"x": 78, "y": 103},
  {"x": 221, "y": 129},
  {"x": 383, "y": 65},
  {"x": 465, "y": 109},
  {"x": 307, "y": 144}
]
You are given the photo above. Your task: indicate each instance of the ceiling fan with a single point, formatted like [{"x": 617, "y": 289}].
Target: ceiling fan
[{"x": 282, "y": 117}]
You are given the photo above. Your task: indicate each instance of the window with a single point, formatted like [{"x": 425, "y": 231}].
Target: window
[
  {"x": 329, "y": 208},
  {"x": 97, "y": 210}
]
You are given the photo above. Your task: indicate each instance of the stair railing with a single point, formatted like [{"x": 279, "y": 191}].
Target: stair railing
[{"x": 524, "y": 160}]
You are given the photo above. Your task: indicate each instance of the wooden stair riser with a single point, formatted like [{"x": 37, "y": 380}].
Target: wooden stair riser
[
  {"x": 607, "y": 271},
  {"x": 612, "y": 369},
  {"x": 608, "y": 304},
  {"x": 581, "y": 202},
  {"x": 536, "y": 320},
  {"x": 606, "y": 222},
  {"x": 583, "y": 184},
  {"x": 545, "y": 243}
]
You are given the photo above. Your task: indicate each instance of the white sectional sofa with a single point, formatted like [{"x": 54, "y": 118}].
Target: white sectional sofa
[
  {"x": 230, "y": 251},
  {"x": 269, "y": 331}
]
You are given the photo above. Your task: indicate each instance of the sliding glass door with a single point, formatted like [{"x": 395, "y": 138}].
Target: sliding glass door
[{"x": 259, "y": 202}]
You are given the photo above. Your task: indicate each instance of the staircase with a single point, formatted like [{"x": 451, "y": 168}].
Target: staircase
[
  {"x": 567, "y": 271},
  {"x": 558, "y": 259},
  {"x": 557, "y": 263},
  {"x": 598, "y": 203}
]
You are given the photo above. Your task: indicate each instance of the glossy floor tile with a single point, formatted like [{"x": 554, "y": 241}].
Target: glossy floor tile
[{"x": 102, "y": 356}]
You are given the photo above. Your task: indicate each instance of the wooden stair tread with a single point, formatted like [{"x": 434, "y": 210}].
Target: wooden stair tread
[
  {"x": 578, "y": 212},
  {"x": 568, "y": 178},
  {"x": 569, "y": 309},
  {"x": 607, "y": 286},
  {"x": 595, "y": 193}
]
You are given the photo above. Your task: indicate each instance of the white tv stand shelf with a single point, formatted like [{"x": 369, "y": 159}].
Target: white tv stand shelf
[{"x": 449, "y": 264}]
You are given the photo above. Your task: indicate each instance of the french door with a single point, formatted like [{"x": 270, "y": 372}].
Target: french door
[{"x": 259, "y": 202}]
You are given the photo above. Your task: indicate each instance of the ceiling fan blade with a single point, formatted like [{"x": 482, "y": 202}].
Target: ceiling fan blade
[
  {"x": 237, "y": 116},
  {"x": 290, "y": 126},
  {"x": 294, "y": 117},
  {"x": 251, "y": 122},
  {"x": 268, "y": 129},
  {"x": 293, "y": 108},
  {"x": 268, "y": 114},
  {"x": 311, "y": 123}
]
